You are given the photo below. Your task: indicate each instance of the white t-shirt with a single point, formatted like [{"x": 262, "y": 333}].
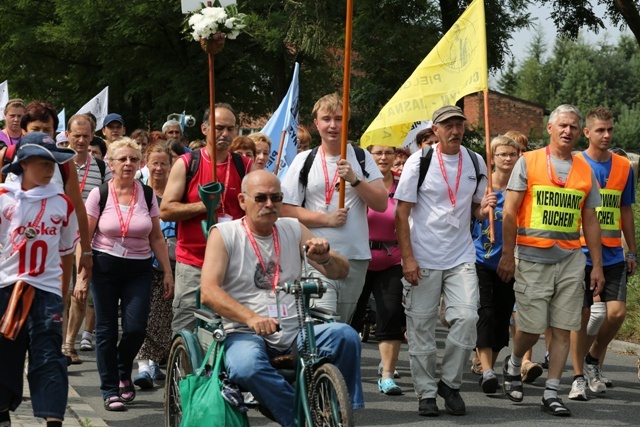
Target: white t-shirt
[
  {"x": 437, "y": 243},
  {"x": 352, "y": 239},
  {"x": 37, "y": 262}
]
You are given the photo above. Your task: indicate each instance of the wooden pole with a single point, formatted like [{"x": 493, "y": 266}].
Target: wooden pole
[
  {"x": 211, "y": 136},
  {"x": 487, "y": 136},
  {"x": 275, "y": 170},
  {"x": 345, "y": 94}
]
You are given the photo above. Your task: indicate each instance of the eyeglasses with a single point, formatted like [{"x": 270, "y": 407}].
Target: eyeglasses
[
  {"x": 262, "y": 198},
  {"x": 383, "y": 153},
  {"x": 131, "y": 159},
  {"x": 159, "y": 165},
  {"x": 507, "y": 155}
]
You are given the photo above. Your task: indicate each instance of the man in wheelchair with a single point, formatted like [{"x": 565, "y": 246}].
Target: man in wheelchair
[{"x": 244, "y": 261}]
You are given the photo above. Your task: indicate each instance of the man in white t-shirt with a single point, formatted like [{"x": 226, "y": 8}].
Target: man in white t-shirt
[
  {"x": 438, "y": 256},
  {"x": 316, "y": 204}
]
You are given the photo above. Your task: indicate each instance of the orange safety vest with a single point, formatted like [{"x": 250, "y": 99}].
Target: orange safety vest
[
  {"x": 611, "y": 196},
  {"x": 551, "y": 214}
]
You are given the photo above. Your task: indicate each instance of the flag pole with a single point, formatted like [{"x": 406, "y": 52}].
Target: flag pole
[
  {"x": 345, "y": 95},
  {"x": 280, "y": 147},
  {"x": 487, "y": 136}
]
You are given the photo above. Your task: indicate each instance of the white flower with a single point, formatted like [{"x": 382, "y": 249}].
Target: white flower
[{"x": 211, "y": 20}]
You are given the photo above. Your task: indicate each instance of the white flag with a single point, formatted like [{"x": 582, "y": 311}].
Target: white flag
[
  {"x": 4, "y": 97},
  {"x": 62, "y": 122},
  {"x": 98, "y": 106}
]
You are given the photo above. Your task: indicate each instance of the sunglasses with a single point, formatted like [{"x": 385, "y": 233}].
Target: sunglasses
[{"x": 262, "y": 198}]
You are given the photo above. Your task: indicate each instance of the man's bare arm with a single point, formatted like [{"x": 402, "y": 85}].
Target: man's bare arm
[{"x": 172, "y": 208}]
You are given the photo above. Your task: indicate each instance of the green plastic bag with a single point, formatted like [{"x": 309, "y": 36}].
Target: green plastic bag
[{"x": 202, "y": 403}]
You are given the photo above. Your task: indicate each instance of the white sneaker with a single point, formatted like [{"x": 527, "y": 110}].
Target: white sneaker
[
  {"x": 607, "y": 382},
  {"x": 594, "y": 380},
  {"x": 578, "y": 389},
  {"x": 395, "y": 371}
]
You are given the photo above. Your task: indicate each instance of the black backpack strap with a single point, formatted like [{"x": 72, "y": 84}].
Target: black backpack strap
[
  {"x": 304, "y": 172},
  {"x": 148, "y": 195},
  {"x": 425, "y": 161},
  {"x": 361, "y": 159},
  {"x": 104, "y": 195},
  {"x": 192, "y": 168},
  {"x": 103, "y": 168},
  {"x": 476, "y": 166},
  {"x": 237, "y": 160}
]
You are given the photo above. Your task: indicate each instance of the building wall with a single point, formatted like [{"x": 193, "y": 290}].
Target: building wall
[{"x": 505, "y": 113}]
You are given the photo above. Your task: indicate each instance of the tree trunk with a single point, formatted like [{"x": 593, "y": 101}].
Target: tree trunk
[{"x": 629, "y": 12}]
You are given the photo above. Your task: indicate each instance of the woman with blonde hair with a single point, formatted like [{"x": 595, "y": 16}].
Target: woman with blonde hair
[
  {"x": 263, "y": 149},
  {"x": 124, "y": 222}
]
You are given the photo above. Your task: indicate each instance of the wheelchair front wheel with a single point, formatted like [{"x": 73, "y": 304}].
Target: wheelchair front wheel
[
  {"x": 178, "y": 367},
  {"x": 330, "y": 404}
]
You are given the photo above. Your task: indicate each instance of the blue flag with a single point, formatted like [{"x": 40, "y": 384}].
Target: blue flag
[{"x": 285, "y": 119}]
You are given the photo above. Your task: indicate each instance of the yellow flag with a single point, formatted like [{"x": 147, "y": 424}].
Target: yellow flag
[{"x": 457, "y": 66}]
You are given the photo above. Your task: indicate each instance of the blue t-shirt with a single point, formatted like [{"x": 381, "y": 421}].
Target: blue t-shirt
[
  {"x": 610, "y": 255},
  {"x": 488, "y": 253}
]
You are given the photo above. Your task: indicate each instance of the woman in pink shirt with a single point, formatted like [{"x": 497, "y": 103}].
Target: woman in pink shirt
[
  {"x": 384, "y": 277},
  {"x": 124, "y": 235}
]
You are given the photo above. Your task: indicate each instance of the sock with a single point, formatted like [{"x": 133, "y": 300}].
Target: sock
[
  {"x": 143, "y": 365},
  {"x": 54, "y": 423},
  {"x": 387, "y": 375},
  {"x": 514, "y": 365},
  {"x": 86, "y": 335},
  {"x": 591, "y": 360},
  {"x": 578, "y": 376},
  {"x": 551, "y": 389},
  {"x": 488, "y": 373}
]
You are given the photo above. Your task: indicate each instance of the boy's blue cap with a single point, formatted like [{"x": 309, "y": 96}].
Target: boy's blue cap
[{"x": 38, "y": 144}]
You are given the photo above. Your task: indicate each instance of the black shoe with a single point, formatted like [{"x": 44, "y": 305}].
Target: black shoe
[
  {"x": 555, "y": 406},
  {"x": 489, "y": 384},
  {"x": 452, "y": 400},
  {"x": 428, "y": 407}
]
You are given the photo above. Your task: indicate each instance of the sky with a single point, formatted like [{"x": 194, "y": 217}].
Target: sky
[{"x": 523, "y": 38}]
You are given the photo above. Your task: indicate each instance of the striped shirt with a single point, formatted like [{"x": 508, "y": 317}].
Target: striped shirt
[{"x": 94, "y": 177}]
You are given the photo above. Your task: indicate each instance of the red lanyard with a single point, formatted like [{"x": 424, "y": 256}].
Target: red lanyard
[
  {"x": 124, "y": 226},
  {"x": 86, "y": 173},
  {"x": 28, "y": 230},
  {"x": 256, "y": 249},
  {"x": 552, "y": 177},
  {"x": 328, "y": 189},
  {"x": 452, "y": 195}
]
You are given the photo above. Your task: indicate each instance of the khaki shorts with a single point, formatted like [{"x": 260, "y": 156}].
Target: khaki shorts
[{"x": 550, "y": 294}]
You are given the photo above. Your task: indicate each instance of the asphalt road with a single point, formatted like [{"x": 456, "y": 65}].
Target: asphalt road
[{"x": 619, "y": 406}]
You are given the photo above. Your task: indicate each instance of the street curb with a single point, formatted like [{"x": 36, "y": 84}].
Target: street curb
[
  {"x": 82, "y": 411},
  {"x": 625, "y": 347}
]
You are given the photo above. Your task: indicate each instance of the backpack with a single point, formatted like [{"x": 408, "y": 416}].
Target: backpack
[
  {"x": 104, "y": 195},
  {"x": 9, "y": 154},
  {"x": 194, "y": 164},
  {"x": 304, "y": 172},
  {"x": 425, "y": 161}
]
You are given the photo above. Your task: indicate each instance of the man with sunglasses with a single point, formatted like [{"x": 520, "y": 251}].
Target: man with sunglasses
[
  {"x": 181, "y": 203},
  {"x": 244, "y": 262}
]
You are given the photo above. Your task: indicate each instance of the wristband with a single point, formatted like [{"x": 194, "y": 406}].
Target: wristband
[
  {"x": 631, "y": 255},
  {"x": 87, "y": 253},
  {"x": 327, "y": 261}
]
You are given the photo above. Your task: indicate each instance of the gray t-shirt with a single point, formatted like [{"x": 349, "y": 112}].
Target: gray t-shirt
[
  {"x": 247, "y": 282},
  {"x": 518, "y": 182}
]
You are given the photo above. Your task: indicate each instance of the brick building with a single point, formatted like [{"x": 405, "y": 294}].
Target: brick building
[{"x": 505, "y": 113}]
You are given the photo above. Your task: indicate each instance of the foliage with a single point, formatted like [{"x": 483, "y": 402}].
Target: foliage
[
  {"x": 630, "y": 330},
  {"x": 586, "y": 76}
]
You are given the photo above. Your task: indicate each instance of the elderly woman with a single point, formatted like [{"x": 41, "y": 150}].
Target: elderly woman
[
  {"x": 125, "y": 226},
  {"x": 263, "y": 149}
]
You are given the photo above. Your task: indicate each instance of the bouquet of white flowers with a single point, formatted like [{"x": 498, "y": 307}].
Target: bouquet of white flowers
[{"x": 209, "y": 21}]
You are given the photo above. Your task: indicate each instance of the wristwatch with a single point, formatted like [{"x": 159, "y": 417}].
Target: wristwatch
[{"x": 357, "y": 182}]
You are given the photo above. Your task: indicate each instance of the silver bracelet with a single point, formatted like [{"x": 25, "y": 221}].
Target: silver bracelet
[
  {"x": 90, "y": 253},
  {"x": 327, "y": 261}
]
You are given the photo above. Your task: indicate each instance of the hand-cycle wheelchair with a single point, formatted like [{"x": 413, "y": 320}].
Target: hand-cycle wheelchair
[{"x": 321, "y": 395}]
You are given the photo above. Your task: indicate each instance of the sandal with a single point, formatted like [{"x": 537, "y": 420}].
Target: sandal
[
  {"x": 554, "y": 406},
  {"x": 127, "y": 391},
  {"x": 113, "y": 403},
  {"x": 512, "y": 384}
]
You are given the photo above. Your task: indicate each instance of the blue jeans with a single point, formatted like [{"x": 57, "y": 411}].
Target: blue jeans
[
  {"x": 247, "y": 362},
  {"x": 127, "y": 282},
  {"x": 47, "y": 375}
]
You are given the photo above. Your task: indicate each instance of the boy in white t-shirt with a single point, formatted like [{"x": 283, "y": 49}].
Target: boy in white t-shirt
[{"x": 38, "y": 235}]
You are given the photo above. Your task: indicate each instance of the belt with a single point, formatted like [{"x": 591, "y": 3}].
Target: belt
[{"x": 373, "y": 244}]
